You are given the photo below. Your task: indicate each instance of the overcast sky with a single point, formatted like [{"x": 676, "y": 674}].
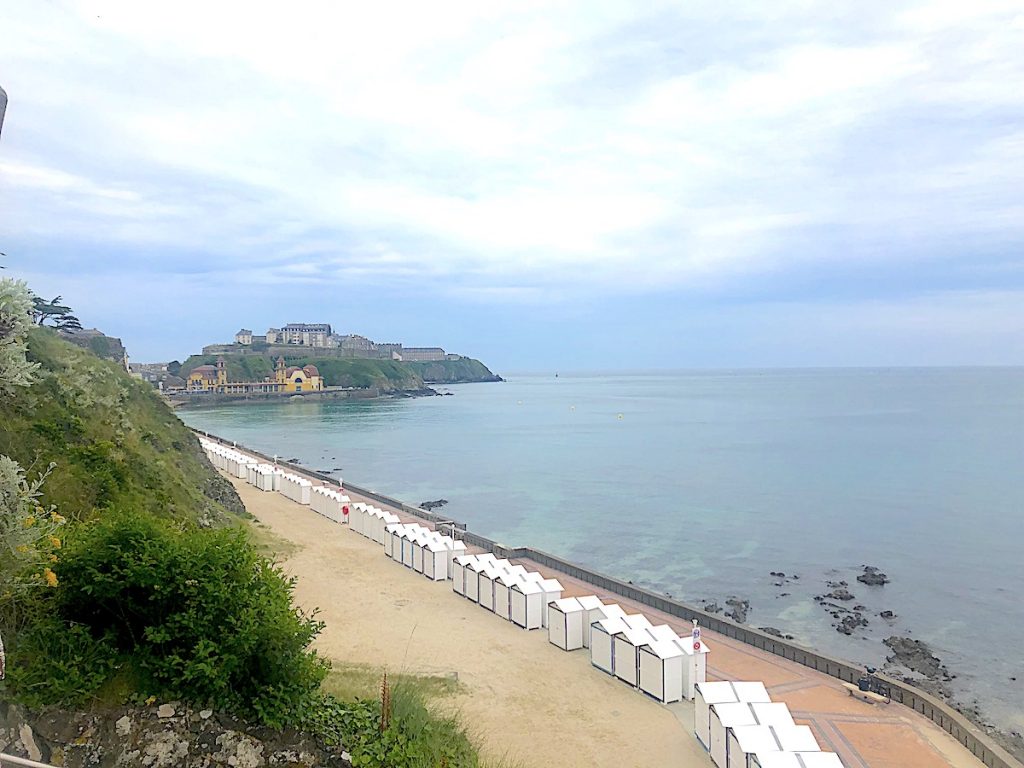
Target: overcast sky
[{"x": 541, "y": 185}]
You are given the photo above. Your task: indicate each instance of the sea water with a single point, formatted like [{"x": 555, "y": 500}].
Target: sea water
[{"x": 699, "y": 484}]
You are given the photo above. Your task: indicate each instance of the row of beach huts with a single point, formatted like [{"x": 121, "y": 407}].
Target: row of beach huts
[{"x": 736, "y": 722}]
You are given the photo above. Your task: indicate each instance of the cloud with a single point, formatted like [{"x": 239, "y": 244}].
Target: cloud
[{"x": 516, "y": 152}]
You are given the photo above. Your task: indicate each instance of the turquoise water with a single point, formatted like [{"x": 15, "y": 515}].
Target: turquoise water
[{"x": 699, "y": 484}]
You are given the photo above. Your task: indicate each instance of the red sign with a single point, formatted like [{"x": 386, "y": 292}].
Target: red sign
[{"x": 696, "y": 645}]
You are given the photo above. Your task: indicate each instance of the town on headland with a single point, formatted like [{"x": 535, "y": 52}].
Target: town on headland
[{"x": 306, "y": 360}]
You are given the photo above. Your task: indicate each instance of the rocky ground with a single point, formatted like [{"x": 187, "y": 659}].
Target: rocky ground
[{"x": 165, "y": 736}]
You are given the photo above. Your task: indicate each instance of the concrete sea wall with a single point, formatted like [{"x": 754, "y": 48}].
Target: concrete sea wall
[{"x": 940, "y": 713}]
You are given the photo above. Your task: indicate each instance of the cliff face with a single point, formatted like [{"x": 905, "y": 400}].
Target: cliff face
[
  {"x": 462, "y": 371},
  {"x": 97, "y": 342}
]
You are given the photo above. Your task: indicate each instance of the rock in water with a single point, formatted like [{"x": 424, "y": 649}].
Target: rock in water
[
  {"x": 739, "y": 611},
  {"x": 873, "y": 577},
  {"x": 916, "y": 656}
]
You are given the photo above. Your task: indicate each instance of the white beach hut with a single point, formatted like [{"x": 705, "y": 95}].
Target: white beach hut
[
  {"x": 552, "y": 590},
  {"x": 435, "y": 560},
  {"x": 663, "y": 632},
  {"x": 386, "y": 519},
  {"x": 725, "y": 717},
  {"x": 661, "y": 670},
  {"x": 503, "y": 592},
  {"x": 774, "y": 713},
  {"x": 637, "y": 621},
  {"x": 459, "y": 567},
  {"x": 602, "y": 646},
  {"x": 706, "y": 696},
  {"x": 627, "y": 653},
  {"x": 695, "y": 667},
  {"x": 392, "y": 535},
  {"x": 455, "y": 549},
  {"x": 796, "y": 738},
  {"x": 596, "y": 610},
  {"x": 565, "y": 623},
  {"x": 473, "y": 571},
  {"x": 751, "y": 692},
  {"x": 752, "y": 751},
  {"x": 408, "y": 544},
  {"x": 485, "y": 589},
  {"x": 748, "y": 741},
  {"x": 774, "y": 760},
  {"x": 527, "y": 604}
]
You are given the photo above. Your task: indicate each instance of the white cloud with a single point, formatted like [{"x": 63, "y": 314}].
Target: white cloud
[{"x": 504, "y": 142}]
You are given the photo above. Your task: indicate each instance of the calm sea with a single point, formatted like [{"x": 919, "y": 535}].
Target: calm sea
[{"x": 700, "y": 483}]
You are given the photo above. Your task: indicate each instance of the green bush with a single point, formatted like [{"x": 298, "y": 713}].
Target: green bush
[{"x": 197, "y": 615}]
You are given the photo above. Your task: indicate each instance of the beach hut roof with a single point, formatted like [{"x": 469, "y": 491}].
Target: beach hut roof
[
  {"x": 686, "y": 644},
  {"x": 775, "y": 759},
  {"x": 734, "y": 714},
  {"x": 637, "y": 621},
  {"x": 663, "y": 632},
  {"x": 755, "y": 739},
  {"x": 527, "y": 587},
  {"x": 772, "y": 713},
  {"x": 566, "y": 604},
  {"x": 478, "y": 565},
  {"x": 508, "y": 579},
  {"x": 551, "y": 585},
  {"x": 514, "y": 570},
  {"x": 816, "y": 759},
  {"x": 635, "y": 637},
  {"x": 492, "y": 571},
  {"x": 532, "y": 576},
  {"x": 751, "y": 692},
  {"x": 465, "y": 559},
  {"x": 590, "y": 601},
  {"x": 615, "y": 624},
  {"x": 436, "y": 546},
  {"x": 663, "y": 649},
  {"x": 717, "y": 692},
  {"x": 487, "y": 557},
  {"x": 796, "y": 738}
]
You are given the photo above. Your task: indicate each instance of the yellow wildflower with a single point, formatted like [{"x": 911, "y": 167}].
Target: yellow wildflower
[
  {"x": 53, "y": 558},
  {"x": 151, "y": 700},
  {"x": 55, "y": 542},
  {"x": 51, "y": 577},
  {"x": 59, "y": 519},
  {"x": 29, "y": 522},
  {"x": 22, "y": 549}
]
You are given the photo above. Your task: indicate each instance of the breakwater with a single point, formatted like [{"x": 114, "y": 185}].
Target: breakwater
[{"x": 947, "y": 718}]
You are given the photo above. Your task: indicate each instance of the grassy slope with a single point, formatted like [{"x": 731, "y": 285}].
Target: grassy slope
[
  {"x": 114, "y": 441},
  {"x": 386, "y": 375}
]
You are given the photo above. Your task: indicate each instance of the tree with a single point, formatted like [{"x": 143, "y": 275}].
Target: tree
[
  {"x": 43, "y": 310},
  {"x": 15, "y": 320},
  {"x": 174, "y": 367}
]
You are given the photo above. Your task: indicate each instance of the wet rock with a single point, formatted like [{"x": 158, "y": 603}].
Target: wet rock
[
  {"x": 887, "y": 615},
  {"x": 916, "y": 656},
  {"x": 850, "y": 623},
  {"x": 712, "y": 607},
  {"x": 873, "y": 577},
  {"x": 165, "y": 710},
  {"x": 775, "y": 632},
  {"x": 840, "y": 593},
  {"x": 739, "y": 609},
  {"x": 429, "y": 505},
  {"x": 777, "y": 574}
]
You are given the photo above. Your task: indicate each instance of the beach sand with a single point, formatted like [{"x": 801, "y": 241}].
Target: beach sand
[{"x": 520, "y": 696}]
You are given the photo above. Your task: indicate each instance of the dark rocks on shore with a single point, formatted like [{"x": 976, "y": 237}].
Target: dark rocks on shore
[
  {"x": 712, "y": 607},
  {"x": 739, "y": 609},
  {"x": 777, "y": 574},
  {"x": 917, "y": 656},
  {"x": 887, "y": 615},
  {"x": 775, "y": 632},
  {"x": 437, "y": 504},
  {"x": 873, "y": 577},
  {"x": 851, "y": 622},
  {"x": 293, "y": 460},
  {"x": 841, "y": 593}
]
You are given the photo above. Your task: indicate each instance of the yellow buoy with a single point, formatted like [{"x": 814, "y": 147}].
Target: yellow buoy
[{"x": 620, "y": 415}]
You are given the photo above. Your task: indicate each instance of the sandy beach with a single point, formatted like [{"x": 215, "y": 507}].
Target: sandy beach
[{"x": 522, "y": 697}]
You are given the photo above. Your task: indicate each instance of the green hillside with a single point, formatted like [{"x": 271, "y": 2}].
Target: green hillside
[
  {"x": 114, "y": 442},
  {"x": 385, "y": 375}
]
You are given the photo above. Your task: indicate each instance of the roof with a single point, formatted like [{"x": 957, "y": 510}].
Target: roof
[
  {"x": 551, "y": 585},
  {"x": 635, "y": 637},
  {"x": 796, "y": 738},
  {"x": 778, "y": 760},
  {"x": 772, "y": 713},
  {"x": 686, "y": 643},
  {"x": 566, "y": 605},
  {"x": 755, "y": 739},
  {"x": 508, "y": 579},
  {"x": 590, "y": 601},
  {"x": 204, "y": 368},
  {"x": 611, "y": 626},
  {"x": 717, "y": 692},
  {"x": 733, "y": 714},
  {"x": 465, "y": 559},
  {"x": 663, "y": 632},
  {"x": 751, "y": 692},
  {"x": 818, "y": 760},
  {"x": 637, "y": 621},
  {"x": 527, "y": 587},
  {"x": 663, "y": 649}
]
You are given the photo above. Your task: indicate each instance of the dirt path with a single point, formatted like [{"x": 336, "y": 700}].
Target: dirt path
[{"x": 522, "y": 697}]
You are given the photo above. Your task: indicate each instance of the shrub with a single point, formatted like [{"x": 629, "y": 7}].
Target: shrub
[{"x": 197, "y": 614}]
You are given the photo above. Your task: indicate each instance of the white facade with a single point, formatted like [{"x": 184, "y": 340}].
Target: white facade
[
  {"x": 725, "y": 717},
  {"x": 455, "y": 549},
  {"x": 627, "y": 654},
  {"x": 392, "y": 536},
  {"x": 296, "y": 488},
  {"x": 661, "y": 670},
  {"x": 552, "y": 590},
  {"x": 602, "y": 646},
  {"x": 596, "y": 610},
  {"x": 565, "y": 623},
  {"x": 695, "y": 667},
  {"x": 706, "y": 696},
  {"x": 485, "y": 587},
  {"x": 435, "y": 560},
  {"x": 473, "y": 571},
  {"x": 459, "y": 569},
  {"x": 749, "y": 745},
  {"x": 503, "y": 593},
  {"x": 527, "y": 604}
]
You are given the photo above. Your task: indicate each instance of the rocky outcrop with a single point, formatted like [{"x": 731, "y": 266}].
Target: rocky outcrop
[
  {"x": 738, "y": 609},
  {"x": 168, "y": 736},
  {"x": 873, "y": 577}
]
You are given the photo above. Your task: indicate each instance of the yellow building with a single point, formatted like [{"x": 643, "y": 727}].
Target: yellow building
[{"x": 294, "y": 379}]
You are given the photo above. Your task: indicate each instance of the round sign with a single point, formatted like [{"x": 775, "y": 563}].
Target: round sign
[
  {"x": 696, "y": 633},
  {"x": 696, "y": 645}
]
